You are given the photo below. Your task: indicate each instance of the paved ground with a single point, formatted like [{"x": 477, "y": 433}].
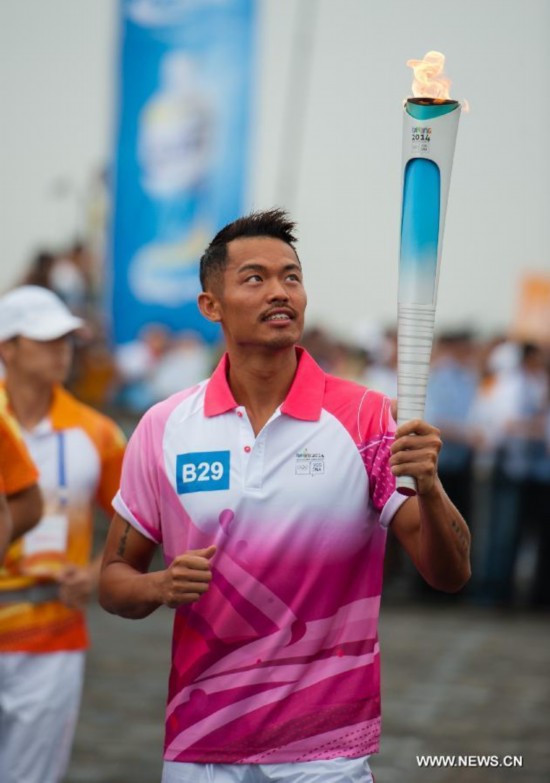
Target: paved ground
[{"x": 456, "y": 681}]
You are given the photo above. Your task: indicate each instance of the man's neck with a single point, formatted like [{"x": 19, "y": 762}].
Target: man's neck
[
  {"x": 30, "y": 402},
  {"x": 260, "y": 381}
]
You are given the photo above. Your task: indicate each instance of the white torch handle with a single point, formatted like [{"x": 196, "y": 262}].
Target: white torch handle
[{"x": 414, "y": 350}]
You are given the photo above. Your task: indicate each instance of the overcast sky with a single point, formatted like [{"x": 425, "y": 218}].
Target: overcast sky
[{"x": 331, "y": 79}]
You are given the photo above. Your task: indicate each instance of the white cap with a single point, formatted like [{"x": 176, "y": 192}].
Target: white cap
[{"x": 36, "y": 313}]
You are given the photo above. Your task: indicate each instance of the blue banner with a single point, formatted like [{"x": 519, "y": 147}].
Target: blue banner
[{"x": 181, "y": 153}]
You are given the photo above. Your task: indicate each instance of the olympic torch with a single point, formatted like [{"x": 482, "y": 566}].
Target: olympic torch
[{"x": 429, "y": 135}]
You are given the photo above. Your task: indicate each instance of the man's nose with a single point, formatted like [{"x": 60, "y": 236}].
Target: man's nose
[{"x": 277, "y": 291}]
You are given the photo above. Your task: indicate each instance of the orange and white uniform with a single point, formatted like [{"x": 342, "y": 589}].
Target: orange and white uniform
[{"x": 78, "y": 452}]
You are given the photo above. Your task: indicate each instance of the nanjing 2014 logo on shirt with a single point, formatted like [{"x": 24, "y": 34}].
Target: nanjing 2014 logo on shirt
[
  {"x": 202, "y": 471},
  {"x": 308, "y": 464}
]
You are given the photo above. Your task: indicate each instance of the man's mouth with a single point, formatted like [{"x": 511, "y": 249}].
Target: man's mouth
[{"x": 279, "y": 315}]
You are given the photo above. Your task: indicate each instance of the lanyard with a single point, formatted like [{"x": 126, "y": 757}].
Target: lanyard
[{"x": 62, "y": 488}]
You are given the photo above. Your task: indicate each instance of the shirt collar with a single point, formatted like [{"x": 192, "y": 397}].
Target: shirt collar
[
  {"x": 304, "y": 399},
  {"x": 218, "y": 397}
]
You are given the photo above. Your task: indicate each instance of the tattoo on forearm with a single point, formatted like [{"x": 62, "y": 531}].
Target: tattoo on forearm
[
  {"x": 122, "y": 543},
  {"x": 462, "y": 539}
]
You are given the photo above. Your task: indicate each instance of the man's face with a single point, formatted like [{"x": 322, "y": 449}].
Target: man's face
[
  {"x": 261, "y": 301},
  {"x": 46, "y": 361}
]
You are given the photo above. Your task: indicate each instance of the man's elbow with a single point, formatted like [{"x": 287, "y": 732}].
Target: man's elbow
[
  {"x": 106, "y": 596},
  {"x": 110, "y": 604},
  {"x": 450, "y": 581},
  {"x": 119, "y": 601}
]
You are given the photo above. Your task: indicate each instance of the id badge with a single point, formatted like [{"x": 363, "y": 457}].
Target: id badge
[{"x": 45, "y": 545}]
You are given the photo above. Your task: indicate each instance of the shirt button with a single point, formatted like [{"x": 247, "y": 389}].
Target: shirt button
[
  {"x": 247, "y": 449},
  {"x": 240, "y": 414}
]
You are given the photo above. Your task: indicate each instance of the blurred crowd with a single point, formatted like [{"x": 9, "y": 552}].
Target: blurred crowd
[
  {"x": 490, "y": 400},
  {"x": 489, "y": 397}
]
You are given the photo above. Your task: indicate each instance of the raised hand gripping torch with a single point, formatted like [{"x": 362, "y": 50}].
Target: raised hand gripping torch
[{"x": 430, "y": 126}]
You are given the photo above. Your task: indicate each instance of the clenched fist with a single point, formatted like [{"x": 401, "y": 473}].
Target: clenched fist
[{"x": 187, "y": 577}]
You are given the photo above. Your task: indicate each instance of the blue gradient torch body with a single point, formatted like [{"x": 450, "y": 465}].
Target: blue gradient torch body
[{"x": 429, "y": 136}]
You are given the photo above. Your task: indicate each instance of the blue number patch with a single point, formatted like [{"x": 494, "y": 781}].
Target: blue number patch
[{"x": 202, "y": 471}]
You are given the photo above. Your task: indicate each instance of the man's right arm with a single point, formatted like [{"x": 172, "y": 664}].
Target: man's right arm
[{"x": 128, "y": 589}]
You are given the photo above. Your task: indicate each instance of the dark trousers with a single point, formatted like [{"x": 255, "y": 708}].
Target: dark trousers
[{"x": 503, "y": 539}]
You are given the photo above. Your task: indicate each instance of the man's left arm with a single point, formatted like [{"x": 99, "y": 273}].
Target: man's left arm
[{"x": 428, "y": 526}]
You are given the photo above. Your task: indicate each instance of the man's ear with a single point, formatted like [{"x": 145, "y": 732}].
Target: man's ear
[{"x": 209, "y": 307}]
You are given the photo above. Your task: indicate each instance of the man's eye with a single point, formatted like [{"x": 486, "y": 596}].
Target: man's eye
[
  {"x": 295, "y": 278},
  {"x": 253, "y": 278}
]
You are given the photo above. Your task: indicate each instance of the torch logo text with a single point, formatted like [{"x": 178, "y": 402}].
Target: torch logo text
[{"x": 421, "y": 134}]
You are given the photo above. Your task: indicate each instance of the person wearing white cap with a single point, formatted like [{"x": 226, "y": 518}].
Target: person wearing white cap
[{"x": 47, "y": 577}]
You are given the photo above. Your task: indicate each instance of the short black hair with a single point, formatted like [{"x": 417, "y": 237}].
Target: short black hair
[{"x": 273, "y": 223}]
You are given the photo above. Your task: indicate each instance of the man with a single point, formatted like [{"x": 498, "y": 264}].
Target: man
[
  {"x": 20, "y": 498},
  {"x": 47, "y": 578},
  {"x": 519, "y": 401},
  {"x": 270, "y": 488}
]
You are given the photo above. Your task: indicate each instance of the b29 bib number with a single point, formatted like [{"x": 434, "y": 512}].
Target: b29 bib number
[{"x": 202, "y": 471}]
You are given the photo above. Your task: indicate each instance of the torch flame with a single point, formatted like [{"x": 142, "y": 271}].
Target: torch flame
[{"x": 429, "y": 81}]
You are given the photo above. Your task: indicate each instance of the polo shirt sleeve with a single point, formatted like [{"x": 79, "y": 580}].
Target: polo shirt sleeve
[
  {"x": 383, "y": 494},
  {"x": 111, "y": 452},
  {"x": 16, "y": 467},
  {"x": 138, "y": 499}
]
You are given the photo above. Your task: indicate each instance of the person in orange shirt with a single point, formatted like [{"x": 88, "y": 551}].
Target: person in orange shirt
[
  {"x": 20, "y": 498},
  {"x": 47, "y": 577}
]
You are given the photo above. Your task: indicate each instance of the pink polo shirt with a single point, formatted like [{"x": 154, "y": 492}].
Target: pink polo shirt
[{"x": 279, "y": 660}]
